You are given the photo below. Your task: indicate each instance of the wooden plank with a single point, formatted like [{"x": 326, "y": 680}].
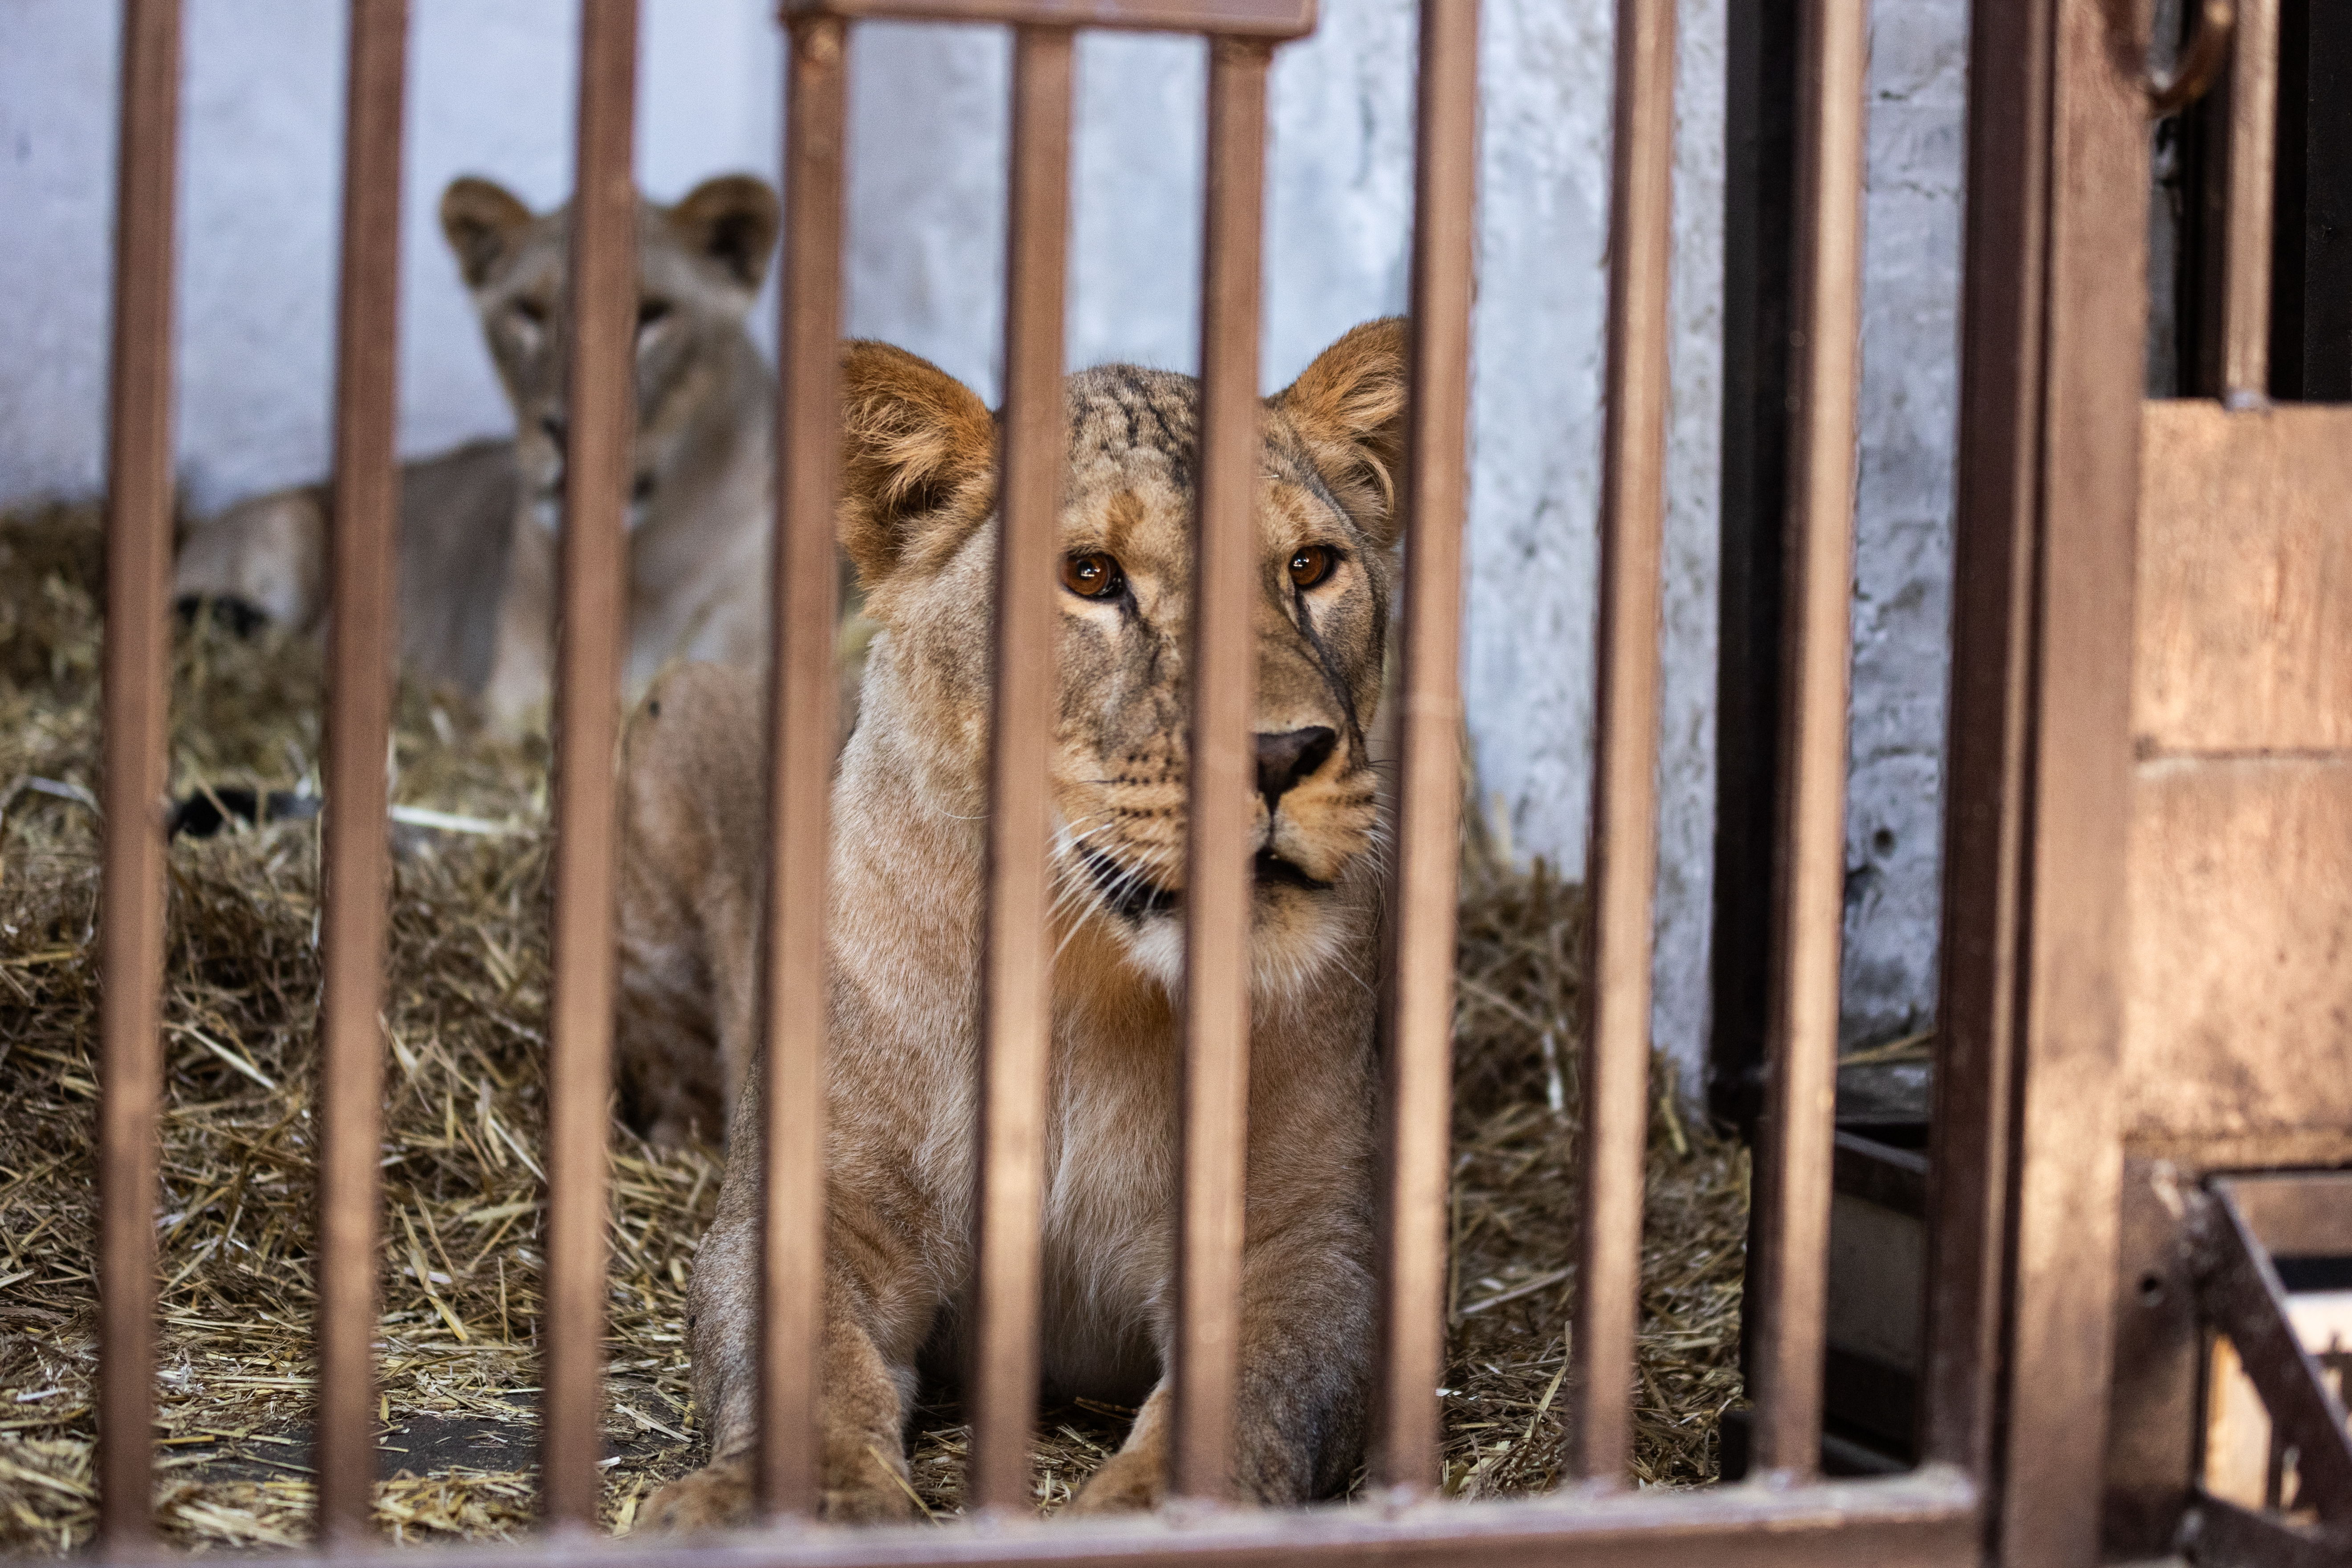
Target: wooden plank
[
  {"x": 2240, "y": 900},
  {"x": 2244, "y": 576}
]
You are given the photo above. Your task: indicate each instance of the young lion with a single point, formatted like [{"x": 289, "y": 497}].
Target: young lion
[
  {"x": 906, "y": 899},
  {"x": 478, "y": 524}
]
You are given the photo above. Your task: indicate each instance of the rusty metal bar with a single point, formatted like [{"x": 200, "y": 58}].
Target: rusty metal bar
[
  {"x": 1623, "y": 856},
  {"x": 1271, "y": 20},
  {"x": 1989, "y": 724},
  {"x": 2222, "y": 1533},
  {"x": 138, "y": 699},
  {"x": 1418, "y": 1023},
  {"x": 1217, "y": 887},
  {"x": 601, "y": 322},
  {"x": 2239, "y": 1292},
  {"x": 1802, "y": 1092},
  {"x": 1926, "y": 1519},
  {"x": 803, "y": 695},
  {"x": 2252, "y": 162},
  {"x": 1016, "y": 1010},
  {"x": 365, "y": 560}
]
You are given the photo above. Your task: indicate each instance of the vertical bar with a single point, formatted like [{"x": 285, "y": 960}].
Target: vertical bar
[
  {"x": 1759, "y": 113},
  {"x": 601, "y": 322},
  {"x": 1625, "y": 845},
  {"x": 2002, "y": 366},
  {"x": 363, "y": 559},
  {"x": 1217, "y": 891},
  {"x": 138, "y": 696},
  {"x": 802, "y": 697},
  {"x": 1419, "y": 1023},
  {"x": 1809, "y": 894},
  {"x": 1016, "y": 1012},
  {"x": 2253, "y": 162},
  {"x": 2066, "y": 1118}
]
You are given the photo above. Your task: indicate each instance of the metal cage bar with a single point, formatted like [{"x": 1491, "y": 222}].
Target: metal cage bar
[
  {"x": 1216, "y": 1007},
  {"x": 364, "y": 560},
  {"x": 1623, "y": 858},
  {"x": 601, "y": 319},
  {"x": 138, "y": 700},
  {"x": 1017, "y": 1021},
  {"x": 800, "y": 722},
  {"x": 1418, "y": 1020},
  {"x": 2253, "y": 106},
  {"x": 1808, "y": 892}
]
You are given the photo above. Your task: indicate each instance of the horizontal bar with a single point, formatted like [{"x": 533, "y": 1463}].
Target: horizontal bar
[
  {"x": 1624, "y": 847},
  {"x": 1924, "y": 1519},
  {"x": 802, "y": 694},
  {"x": 1786, "y": 1337},
  {"x": 361, "y": 636},
  {"x": 1217, "y": 884},
  {"x": 2218, "y": 1531},
  {"x": 1418, "y": 1022},
  {"x": 2296, "y": 1214},
  {"x": 137, "y": 694},
  {"x": 1270, "y": 19},
  {"x": 1016, "y": 1010},
  {"x": 602, "y": 323}
]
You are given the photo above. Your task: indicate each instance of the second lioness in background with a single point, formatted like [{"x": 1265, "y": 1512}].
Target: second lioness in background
[{"x": 479, "y": 525}]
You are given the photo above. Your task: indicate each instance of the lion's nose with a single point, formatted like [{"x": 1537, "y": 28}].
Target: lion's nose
[{"x": 1284, "y": 759}]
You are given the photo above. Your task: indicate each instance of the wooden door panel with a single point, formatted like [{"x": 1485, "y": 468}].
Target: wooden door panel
[
  {"x": 2239, "y": 1013},
  {"x": 2244, "y": 580}
]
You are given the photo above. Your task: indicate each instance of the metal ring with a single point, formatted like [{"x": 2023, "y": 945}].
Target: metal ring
[{"x": 2169, "y": 92}]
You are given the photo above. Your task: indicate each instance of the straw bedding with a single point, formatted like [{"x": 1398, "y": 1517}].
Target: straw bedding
[{"x": 463, "y": 1112}]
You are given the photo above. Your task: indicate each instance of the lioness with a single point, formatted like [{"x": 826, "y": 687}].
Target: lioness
[
  {"x": 906, "y": 900},
  {"x": 478, "y": 524}
]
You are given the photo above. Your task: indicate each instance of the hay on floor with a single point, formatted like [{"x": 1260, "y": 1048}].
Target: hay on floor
[{"x": 464, "y": 1189}]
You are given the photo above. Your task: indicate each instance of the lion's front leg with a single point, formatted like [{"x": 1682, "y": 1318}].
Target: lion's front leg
[
  {"x": 1298, "y": 1416},
  {"x": 862, "y": 1397}
]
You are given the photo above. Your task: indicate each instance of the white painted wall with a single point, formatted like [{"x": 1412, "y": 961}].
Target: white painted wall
[{"x": 490, "y": 93}]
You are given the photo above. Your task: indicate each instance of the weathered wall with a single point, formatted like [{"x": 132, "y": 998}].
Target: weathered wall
[{"x": 490, "y": 93}]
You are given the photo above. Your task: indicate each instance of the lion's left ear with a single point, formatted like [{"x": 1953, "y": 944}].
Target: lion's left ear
[
  {"x": 731, "y": 221},
  {"x": 1348, "y": 408}
]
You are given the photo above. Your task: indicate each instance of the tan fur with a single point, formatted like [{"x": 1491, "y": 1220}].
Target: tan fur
[
  {"x": 905, "y": 923},
  {"x": 479, "y": 525}
]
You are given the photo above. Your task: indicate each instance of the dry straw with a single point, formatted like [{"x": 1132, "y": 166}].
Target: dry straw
[{"x": 462, "y": 1178}]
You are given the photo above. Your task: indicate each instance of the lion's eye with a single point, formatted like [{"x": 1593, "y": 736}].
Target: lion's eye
[
  {"x": 652, "y": 312},
  {"x": 1092, "y": 577},
  {"x": 530, "y": 312},
  {"x": 1312, "y": 563}
]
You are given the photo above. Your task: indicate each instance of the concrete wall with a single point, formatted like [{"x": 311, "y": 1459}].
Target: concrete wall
[{"x": 489, "y": 92}]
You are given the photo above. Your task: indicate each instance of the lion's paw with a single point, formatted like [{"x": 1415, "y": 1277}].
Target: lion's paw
[
  {"x": 1129, "y": 1481},
  {"x": 862, "y": 1486},
  {"x": 713, "y": 1498}
]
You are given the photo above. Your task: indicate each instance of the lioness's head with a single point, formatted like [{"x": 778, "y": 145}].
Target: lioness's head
[
  {"x": 699, "y": 267},
  {"x": 918, "y": 520}
]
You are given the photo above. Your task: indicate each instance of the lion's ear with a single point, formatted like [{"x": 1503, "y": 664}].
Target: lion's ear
[
  {"x": 731, "y": 221},
  {"x": 482, "y": 221},
  {"x": 918, "y": 459},
  {"x": 1348, "y": 408}
]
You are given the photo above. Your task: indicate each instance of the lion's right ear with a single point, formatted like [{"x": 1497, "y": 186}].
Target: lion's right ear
[
  {"x": 919, "y": 460},
  {"x": 482, "y": 220}
]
